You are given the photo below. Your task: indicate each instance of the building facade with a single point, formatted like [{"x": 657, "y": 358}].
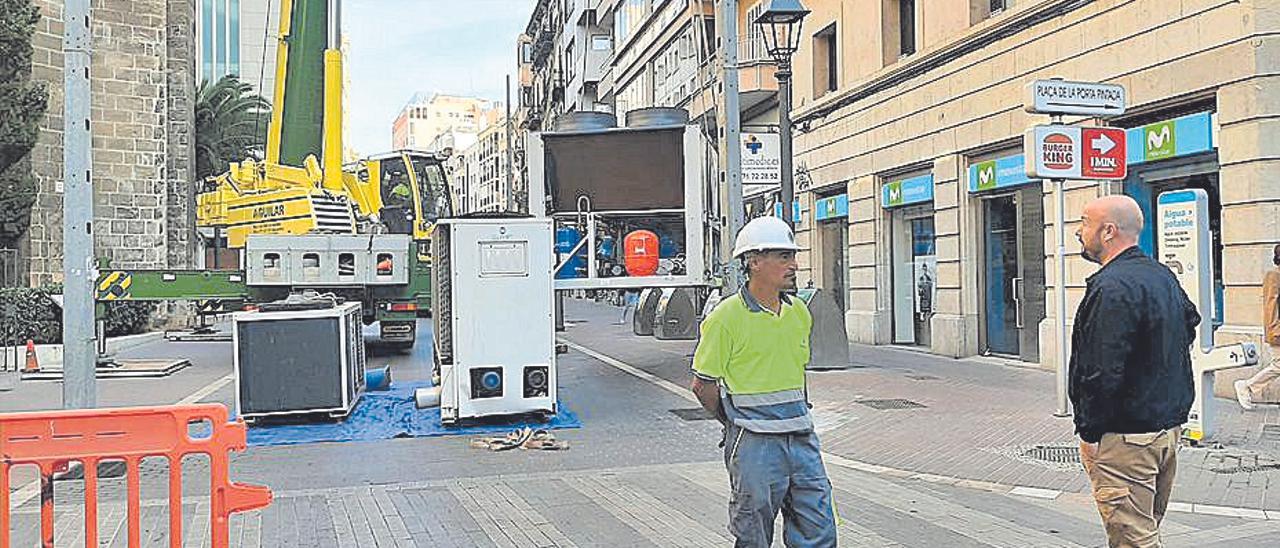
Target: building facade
[
  {"x": 143, "y": 81},
  {"x": 426, "y": 117},
  {"x": 910, "y": 124},
  {"x": 238, "y": 37},
  {"x": 481, "y": 173},
  {"x": 561, "y": 58}
]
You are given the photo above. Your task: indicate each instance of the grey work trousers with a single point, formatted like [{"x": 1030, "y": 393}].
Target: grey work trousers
[{"x": 771, "y": 473}]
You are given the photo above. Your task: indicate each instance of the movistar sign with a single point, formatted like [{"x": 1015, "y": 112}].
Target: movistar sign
[
  {"x": 908, "y": 191},
  {"x": 999, "y": 173}
]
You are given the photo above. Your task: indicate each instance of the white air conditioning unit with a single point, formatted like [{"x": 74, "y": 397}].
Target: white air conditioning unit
[{"x": 494, "y": 317}]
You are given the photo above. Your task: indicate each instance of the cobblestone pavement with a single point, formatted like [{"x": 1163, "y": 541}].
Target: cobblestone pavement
[{"x": 974, "y": 419}]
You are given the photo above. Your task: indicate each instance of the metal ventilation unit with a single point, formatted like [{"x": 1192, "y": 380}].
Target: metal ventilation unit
[{"x": 299, "y": 360}]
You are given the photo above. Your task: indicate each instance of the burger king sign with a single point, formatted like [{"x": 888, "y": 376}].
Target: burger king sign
[{"x": 1055, "y": 152}]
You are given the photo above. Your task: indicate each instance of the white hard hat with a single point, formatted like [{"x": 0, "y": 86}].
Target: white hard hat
[{"x": 764, "y": 233}]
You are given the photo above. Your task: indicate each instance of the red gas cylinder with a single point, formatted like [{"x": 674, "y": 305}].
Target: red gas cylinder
[{"x": 640, "y": 249}]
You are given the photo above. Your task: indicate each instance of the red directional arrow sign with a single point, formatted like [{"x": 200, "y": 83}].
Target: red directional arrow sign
[{"x": 1104, "y": 153}]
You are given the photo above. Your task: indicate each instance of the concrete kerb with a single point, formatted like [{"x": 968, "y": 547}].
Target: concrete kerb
[
  {"x": 50, "y": 355},
  {"x": 993, "y": 487}
]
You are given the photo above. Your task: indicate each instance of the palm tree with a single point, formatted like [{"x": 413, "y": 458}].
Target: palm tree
[{"x": 231, "y": 125}]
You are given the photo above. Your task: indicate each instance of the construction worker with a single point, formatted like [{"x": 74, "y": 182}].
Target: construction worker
[
  {"x": 749, "y": 372},
  {"x": 400, "y": 193}
]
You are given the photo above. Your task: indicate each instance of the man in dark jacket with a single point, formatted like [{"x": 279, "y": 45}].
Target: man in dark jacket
[{"x": 1130, "y": 374}]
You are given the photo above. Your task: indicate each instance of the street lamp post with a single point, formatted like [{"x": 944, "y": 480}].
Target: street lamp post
[{"x": 781, "y": 25}]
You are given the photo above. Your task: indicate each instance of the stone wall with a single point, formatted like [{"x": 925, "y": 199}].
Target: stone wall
[{"x": 142, "y": 116}]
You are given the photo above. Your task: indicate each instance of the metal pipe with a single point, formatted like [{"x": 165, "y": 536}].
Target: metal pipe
[
  {"x": 510, "y": 150},
  {"x": 1060, "y": 298},
  {"x": 79, "y": 387},
  {"x": 784, "y": 145},
  {"x": 335, "y": 24},
  {"x": 731, "y": 142}
]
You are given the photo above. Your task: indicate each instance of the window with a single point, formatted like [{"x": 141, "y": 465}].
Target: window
[
  {"x": 898, "y": 30},
  {"x": 826, "y": 68},
  {"x": 385, "y": 265},
  {"x": 754, "y": 49},
  {"x": 601, "y": 42},
  {"x": 981, "y": 10},
  {"x": 206, "y": 40},
  {"x": 346, "y": 264},
  {"x": 907, "y": 26},
  {"x": 526, "y": 53}
]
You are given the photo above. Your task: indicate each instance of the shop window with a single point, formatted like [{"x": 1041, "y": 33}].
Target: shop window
[
  {"x": 1147, "y": 194},
  {"x": 826, "y": 68}
]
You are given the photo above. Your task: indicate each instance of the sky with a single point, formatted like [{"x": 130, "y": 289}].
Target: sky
[{"x": 401, "y": 47}]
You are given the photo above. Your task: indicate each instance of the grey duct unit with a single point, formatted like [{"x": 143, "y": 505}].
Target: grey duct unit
[
  {"x": 828, "y": 340},
  {"x": 657, "y": 117},
  {"x": 299, "y": 361},
  {"x": 676, "y": 317},
  {"x": 585, "y": 120},
  {"x": 646, "y": 309}
]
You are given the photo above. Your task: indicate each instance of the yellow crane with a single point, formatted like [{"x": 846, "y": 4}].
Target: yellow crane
[{"x": 300, "y": 187}]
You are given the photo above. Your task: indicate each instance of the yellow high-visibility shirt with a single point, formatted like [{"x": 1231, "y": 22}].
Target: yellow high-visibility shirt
[{"x": 751, "y": 349}]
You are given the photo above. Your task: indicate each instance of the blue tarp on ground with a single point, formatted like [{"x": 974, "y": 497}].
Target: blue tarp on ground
[{"x": 391, "y": 414}]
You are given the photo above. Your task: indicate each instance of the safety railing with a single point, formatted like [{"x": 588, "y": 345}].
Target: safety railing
[{"x": 52, "y": 440}]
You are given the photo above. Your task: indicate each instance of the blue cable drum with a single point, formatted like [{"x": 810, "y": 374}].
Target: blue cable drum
[
  {"x": 566, "y": 238},
  {"x": 667, "y": 247},
  {"x": 377, "y": 380}
]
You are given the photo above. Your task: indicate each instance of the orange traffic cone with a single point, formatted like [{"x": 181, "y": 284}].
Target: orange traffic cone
[{"x": 33, "y": 365}]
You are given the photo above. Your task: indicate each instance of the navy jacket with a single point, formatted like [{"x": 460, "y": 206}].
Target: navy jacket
[{"x": 1131, "y": 350}]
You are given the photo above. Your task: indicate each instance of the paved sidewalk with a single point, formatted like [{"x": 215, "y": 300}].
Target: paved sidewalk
[
  {"x": 970, "y": 419},
  {"x": 657, "y": 505}
]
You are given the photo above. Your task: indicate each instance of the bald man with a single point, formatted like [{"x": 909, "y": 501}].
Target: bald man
[{"x": 1130, "y": 373}]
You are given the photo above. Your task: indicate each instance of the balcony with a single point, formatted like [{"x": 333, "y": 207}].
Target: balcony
[{"x": 757, "y": 83}]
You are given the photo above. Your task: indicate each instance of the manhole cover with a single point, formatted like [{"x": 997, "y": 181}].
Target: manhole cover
[
  {"x": 693, "y": 414},
  {"x": 1247, "y": 469},
  {"x": 1271, "y": 432},
  {"x": 895, "y": 403},
  {"x": 923, "y": 377},
  {"x": 1053, "y": 453}
]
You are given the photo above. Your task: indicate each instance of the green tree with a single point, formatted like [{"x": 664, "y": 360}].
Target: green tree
[
  {"x": 231, "y": 125},
  {"x": 22, "y": 106}
]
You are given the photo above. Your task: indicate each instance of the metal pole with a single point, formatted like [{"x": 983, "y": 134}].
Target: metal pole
[
  {"x": 79, "y": 386},
  {"x": 784, "y": 148},
  {"x": 731, "y": 140},
  {"x": 510, "y": 173},
  {"x": 1060, "y": 296}
]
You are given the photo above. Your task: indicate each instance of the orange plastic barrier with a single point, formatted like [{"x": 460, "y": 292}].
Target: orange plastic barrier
[{"x": 53, "y": 439}]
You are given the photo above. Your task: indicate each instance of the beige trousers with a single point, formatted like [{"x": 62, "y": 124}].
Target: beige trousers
[
  {"x": 1264, "y": 376},
  {"x": 1132, "y": 477}
]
